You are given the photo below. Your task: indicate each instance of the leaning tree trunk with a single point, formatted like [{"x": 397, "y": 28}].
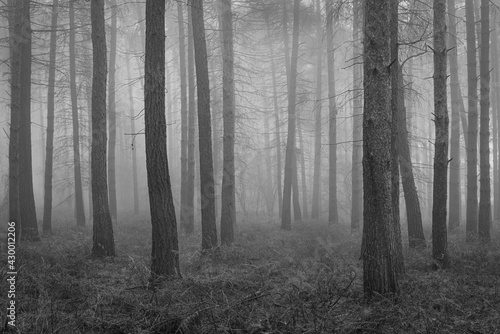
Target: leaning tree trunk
[
  {"x": 286, "y": 223},
  {"x": 208, "y": 226},
  {"x": 357, "y": 124},
  {"x": 112, "y": 114},
  {"x": 333, "y": 216},
  {"x": 484, "y": 218},
  {"x": 228, "y": 209},
  {"x": 439, "y": 195},
  {"x": 472, "y": 202},
  {"x": 49, "y": 148},
  {"x": 379, "y": 264},
  {"x": 29, "y": 228},
  {"x": 165, "y": 248},
  {"x": 416, "y": 236},
  {"x": 315, "y": 207},
  {"x": 456, "y": 103},
  {"x": 104, "y": 244},
  {"x": 79, "y": 208}
]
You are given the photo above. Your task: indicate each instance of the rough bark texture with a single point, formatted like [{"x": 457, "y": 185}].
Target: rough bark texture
[
  {"x": 112, "y": 113},
  {"x": 484, "y": 219},
  {"x": 315, "y": 207},
  {"x": 416, "y": 236},
  {"x": 103, "y": 241},
  {"x": 29, "y": 228},
  {"x": 333, "y": 216},
  {"x": 496, "y": 83},
  {"x": 472, "y": 201},
  {"x": 49, "y": 148},
  {"x": 228, "y": 209},
  {"x": 15, "y": 86},
  {"x": 394, "y": 70},
  {"x": 208, "y": 227},
  {"x": 77, "y": 170},
  {"x": 165, "y": 248},
  {"x": 379, "y": 267},
  {"x": 290, "y": 158},
  {"x": 439, "y": 232},
  {"x": 357, "y": 150},
  {"x": 456, "y": 104},
  {"x": 184, "y": 115}
]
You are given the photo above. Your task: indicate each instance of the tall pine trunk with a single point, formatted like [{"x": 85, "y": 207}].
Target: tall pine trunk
[
  {"x": 472, "y": 202},
  {"x": 49, "y": 148},
  {"x": 77, "y": 170},
  {"x": 208, "y": 226},
  {"x": 315, "y": 207},
  {"x": 228, "y": 209},
  {"x": 165, "y": 248},
  {"x": 439, "y": 232},
  {"x": 103, "y": 241},
  {"x": 135, "y": 182},
  {"x": 484, "y": 218},
  {"x": 333, "y": 216},
  {"x": 290, "y": 158}
]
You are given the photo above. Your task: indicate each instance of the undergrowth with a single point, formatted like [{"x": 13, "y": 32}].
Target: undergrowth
[{"x": 270, "y": 281}]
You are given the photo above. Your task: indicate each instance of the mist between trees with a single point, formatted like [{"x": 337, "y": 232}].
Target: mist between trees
[{"x": 206, "y": 116}]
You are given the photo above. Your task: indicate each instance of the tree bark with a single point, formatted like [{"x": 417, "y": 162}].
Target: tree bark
[
  {"x": 79, "y": 208},
  {"x": 103, "y": 241},
  {"x": 439, "y": 232},
  {"x": 112, "y": 113},
  {"x": 302, "y": 171},
  {"x": 165, "y": 249},
  {"x": 484, "y": 219},
  {"x": 315, "y": 211},
  {"x": 286, "y": 222},
  {"x": 228, "y": 209},
  {"x": 49, "y": 148},
  {"x": 378, "y": 250},
  {"x": 333, "y": 216},
  {"x": 208, "y": 227},
  {"x": 496, "y": 82},
  {"x": 472, "y": 201}
]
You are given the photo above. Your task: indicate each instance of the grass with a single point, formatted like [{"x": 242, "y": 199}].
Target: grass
[{"x": 270, "y": 281}]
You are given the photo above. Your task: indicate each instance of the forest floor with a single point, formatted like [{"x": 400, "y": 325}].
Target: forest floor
[{"x": 270, "y": 281}]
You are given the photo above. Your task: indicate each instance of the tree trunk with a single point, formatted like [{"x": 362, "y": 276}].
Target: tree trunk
[
  {"x": 104, "y": 244},
  {"x": 416, "y": 236},
  {"x": 29, "y": 228},
  {"x": 49, "y": 150},
  {"x": 456, "y": 97},
  {"x": 357, "y": 150},
  {"x": 472, "y": 202},
  {"x": 79, "y": 208},
  {"x": 333, "y": 216},
  {"x": 15, "y": 112},
  {"x": 439, "y": 233},
  {"x": 496, "y": 82},
  {"x": 184, "y": 116},
  {"x": 286, "y": 223},
  {"x": 484, "y": 220},
  {"x": 208, "y": 226},
  {"x": 112, "y": 113},
  {"x": 132, "y": 131},
  {"x": 302, "y": 171},
  {"x": 315, "y": 212},
  {"x": 189, "y": 228},
  {"x": 228, "y": 209},
  {"x": 378, "y": 250},
  {"x": 165, "y": 248}
]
